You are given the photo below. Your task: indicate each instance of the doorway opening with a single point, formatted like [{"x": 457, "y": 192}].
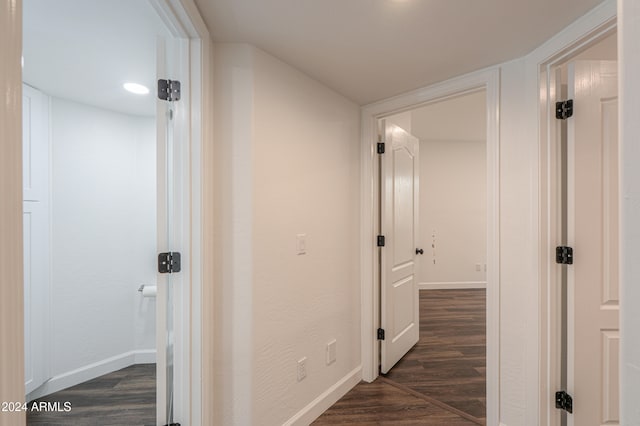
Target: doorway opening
[
  {"x": 433, "y": 208},
  {"x": 580, "y": 187},
  {"x": 101, "y": 172},
  {"x": 376, "y": 318}
]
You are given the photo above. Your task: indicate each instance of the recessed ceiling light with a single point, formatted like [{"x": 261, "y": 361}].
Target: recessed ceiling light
[{"x": 136, "y": 88}]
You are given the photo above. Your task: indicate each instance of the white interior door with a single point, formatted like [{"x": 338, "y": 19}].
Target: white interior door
[
  {"x": 35, "y": 159},
  {"x": 593, "y": 336},
  {"x": 400, "y": 317}
]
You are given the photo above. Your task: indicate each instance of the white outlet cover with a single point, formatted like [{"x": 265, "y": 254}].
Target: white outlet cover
[
  {"x": 301, "y": 243},
  {"x": 331, "y": 352},
  {"x": 302, "y": 368}
]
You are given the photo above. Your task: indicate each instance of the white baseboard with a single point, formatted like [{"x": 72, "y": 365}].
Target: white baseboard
[
  {"x": 329, "y": 397},
  {"x": 452, "y": 285},
  {"x": 146, "y": 356},
  {"x": 91, "y": 371}
]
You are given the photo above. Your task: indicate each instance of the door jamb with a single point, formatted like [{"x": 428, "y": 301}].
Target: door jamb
[
  {"x": 489, "y": 80},
  {"x": 549, "y": 232},
  {"x": 184, "y": 22}
]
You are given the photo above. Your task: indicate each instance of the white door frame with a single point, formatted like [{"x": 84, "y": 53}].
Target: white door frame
[
  {"x": 184, "y": 22},
  {"x": 489, "y": 80},
  {"x": 558, "y": 51}
]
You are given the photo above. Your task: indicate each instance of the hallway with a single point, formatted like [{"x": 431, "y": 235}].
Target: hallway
[{"x": 441, "y": 381}]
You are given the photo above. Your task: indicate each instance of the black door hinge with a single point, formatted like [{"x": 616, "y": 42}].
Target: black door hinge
[
  {"x": 564, "y": 401},
  {"x": 169, "y": 90},
  {"x": 169, "y": 263},
  {"x": 564, "y": 255},
  {"x": 381, "y": 240},
  {"x": 380, "y": 334},
  {"x": 564, "y": 109},
  {"x": 380, "y": 148}
]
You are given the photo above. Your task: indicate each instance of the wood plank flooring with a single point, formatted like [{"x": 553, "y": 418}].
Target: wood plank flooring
[
  {"x": 124, "y": 397},
  {"x": 441, "y": 381},
  {"x": 381, "y": 403}
]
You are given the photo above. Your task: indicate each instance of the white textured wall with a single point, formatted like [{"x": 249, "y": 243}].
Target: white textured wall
[
  {"x": 290, "y": 165},
  {"x": 11, "y": 273},
  {"x": 402, "y": 120},
  {"x": 460, "y": 118},
  {"x": 629, "y": 60},
  {"x": 453, "y": 207},
  {"x": 103, "y": 234}
]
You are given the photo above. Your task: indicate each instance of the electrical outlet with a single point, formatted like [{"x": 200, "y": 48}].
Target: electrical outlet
[
  {"x": 478, "y": 267},
  {"x": 302, "y": 368},
  {"x": 331, "y": 352}
]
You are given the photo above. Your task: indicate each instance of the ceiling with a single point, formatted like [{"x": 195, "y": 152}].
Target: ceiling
[
  {"x": 85, "y": 50},
  {"x": 369, "y": 50}
]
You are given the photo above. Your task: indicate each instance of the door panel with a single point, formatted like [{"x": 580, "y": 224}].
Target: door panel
[
  {"x": 592, "y": 209},
  {"x": 399, "y": 218},
  {"x": 35, "y": 148}
]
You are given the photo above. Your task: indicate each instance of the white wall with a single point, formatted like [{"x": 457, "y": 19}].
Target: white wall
[
  {"x": 11, "y": 272},
  {"x": 402, "y": 120},
  {"x": 453, "y": 212},
  {"x": 289, "y": 164},
  {"x": 461, "y": 118},
  {"x": 103, "y": 241}
]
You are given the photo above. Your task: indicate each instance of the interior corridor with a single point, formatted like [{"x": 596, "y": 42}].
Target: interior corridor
[{"x": 441, "y": 381}]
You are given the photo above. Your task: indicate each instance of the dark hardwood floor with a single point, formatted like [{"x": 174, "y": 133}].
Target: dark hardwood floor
[
  {"x": 124, "y": 397},
  {"x": 441, "y": 381},
  {"x": 443, "y": 375},
  {"x": 381, "y": 403}
]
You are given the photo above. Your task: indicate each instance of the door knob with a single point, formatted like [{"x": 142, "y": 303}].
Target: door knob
[{"x": 419, "y": 251}]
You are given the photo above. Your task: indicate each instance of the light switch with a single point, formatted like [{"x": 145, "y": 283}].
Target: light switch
[{"x": 301, "y": 243}]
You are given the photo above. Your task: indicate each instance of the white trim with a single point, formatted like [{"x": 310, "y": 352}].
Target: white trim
[
  {"x": 592, "y": 27},
  {"x": 326, "y": 399},
  {"x": 91, "y": 371},
  {"x": 450, "y": 285},
  {"x": 184, "y": 21},
  {"x": 144, "y": 356},
  {"x": 489, "y": 80},
  {"x": 571, "y": 40}
]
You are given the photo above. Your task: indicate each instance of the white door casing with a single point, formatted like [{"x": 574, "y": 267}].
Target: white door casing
[
  {"x": 400, "y": 317},
  {"x": 189, "y": 62},
  {"x": 35, "y": 158},
  {"x": 593, "y": 334},
  {"x": 489, "y": 80}
]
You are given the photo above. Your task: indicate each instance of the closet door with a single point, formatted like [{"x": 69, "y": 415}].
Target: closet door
[{"x": 35, "y": 158}]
